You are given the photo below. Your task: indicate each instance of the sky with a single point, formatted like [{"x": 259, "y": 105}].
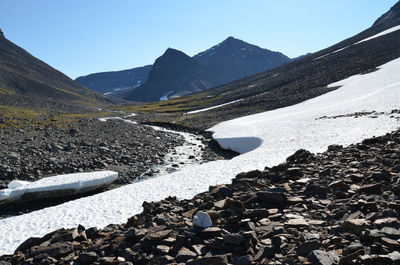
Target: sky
[{"x": 79, "y": 37}]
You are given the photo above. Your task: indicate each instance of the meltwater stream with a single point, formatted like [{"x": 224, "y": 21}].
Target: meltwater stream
[{"x": 186, "y": 155}]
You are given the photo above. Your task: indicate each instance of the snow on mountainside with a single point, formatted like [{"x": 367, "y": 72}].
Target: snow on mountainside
[
  {"x": 360, "y": 108},
  {"x": 388, "y": 31}
]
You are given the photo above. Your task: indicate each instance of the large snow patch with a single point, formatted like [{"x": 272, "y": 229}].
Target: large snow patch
[{"x": 283, "y": 131}]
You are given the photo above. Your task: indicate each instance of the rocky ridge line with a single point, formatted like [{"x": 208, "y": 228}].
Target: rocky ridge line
[{"x": 338, "y": 207}]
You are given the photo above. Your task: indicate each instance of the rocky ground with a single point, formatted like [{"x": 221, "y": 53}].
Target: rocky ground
[
  {"x": 338, "y": 207},
  {"x": 31, "y": 153}
]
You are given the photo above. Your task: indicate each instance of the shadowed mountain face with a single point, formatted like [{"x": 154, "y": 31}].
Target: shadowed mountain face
[
  {"x": 22, "y": 75},
  {"x": 175, "y": 74},
  {"x": 233, "y": 59},
  {"x": 107, "y": 82}
]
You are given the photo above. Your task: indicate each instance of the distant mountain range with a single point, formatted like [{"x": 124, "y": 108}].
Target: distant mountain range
[
  {"x": 176, "y": 74},
  {"x": 113, "y": 81}
]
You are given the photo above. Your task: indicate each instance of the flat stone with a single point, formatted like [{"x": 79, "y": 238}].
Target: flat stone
[
  {"x": 390, "y": 242},
  {"x": 159, "y": 235},
  {"x": 355, "y": 225},
  {"x": 391, "y": 232},
  {"x": 87, "y": 257},
  {"x": 214, "y": 260},
  {"x": 297, "y": 222},
  {"x": 391, "y": 221},
  {"x": 371, "y": 189},
  {"x": 184, "y": 255},
  {"x": 211, "y": 232},
  {"x": 268, "y": 199},
  {"x": 234, "y": 239}
]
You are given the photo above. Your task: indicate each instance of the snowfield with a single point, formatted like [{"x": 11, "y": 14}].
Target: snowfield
[{"x": 265, "y": 139}]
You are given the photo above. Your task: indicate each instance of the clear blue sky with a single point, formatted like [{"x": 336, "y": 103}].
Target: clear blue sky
[{"x": 79, "y": 37}]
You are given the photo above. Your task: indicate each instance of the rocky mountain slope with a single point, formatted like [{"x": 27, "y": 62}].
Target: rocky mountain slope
[
  {"x": 223, "y": 63},
  {"x": 338, "y": 207},
  {"x": 23, "y": 77},
  {"x": 113, "y": 81},
  {"x": 233, "y": 59}
]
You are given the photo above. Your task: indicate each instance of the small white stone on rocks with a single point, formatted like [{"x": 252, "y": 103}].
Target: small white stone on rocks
[{"x": 202, "y": 219}]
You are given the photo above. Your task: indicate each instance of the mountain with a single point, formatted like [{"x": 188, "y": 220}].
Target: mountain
[
  {"x": 174, "y": 73},
  {"x": 25, "y": 78},
  {"x": 107, "y": 82},
  {"x": 233, "y": 59},
  {"x": 225, "y": 62}
]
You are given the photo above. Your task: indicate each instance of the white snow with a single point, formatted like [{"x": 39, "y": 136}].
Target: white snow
[
  {"x": 118, "y": 118},
  {"x": 213, "y": 107},
  {"x": 280, "y": 132},
  {"x": 165, "y": 97},
  {"x": 77, "y": 182},
  {"x": 338, "y": 50},
  {"x": 393, "y": 29}
]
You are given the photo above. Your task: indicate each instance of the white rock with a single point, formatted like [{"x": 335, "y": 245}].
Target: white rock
[{"x": 202, "y": 219}]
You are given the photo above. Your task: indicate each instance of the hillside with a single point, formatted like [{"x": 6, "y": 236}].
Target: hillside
[{"x": 25, "y": 79}]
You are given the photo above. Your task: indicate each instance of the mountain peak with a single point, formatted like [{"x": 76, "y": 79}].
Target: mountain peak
[
  {"x": 230, "y": 38},
  {"x": 171, "y": 52},
  {"x": 1, "y": 34}
]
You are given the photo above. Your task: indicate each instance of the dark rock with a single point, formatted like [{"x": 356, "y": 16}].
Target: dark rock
[
  {"x": 305, "y": 248},
  {"x": 56, "y": 250},
  {"x": 215, "y": 260},
  {"x": 272, "y": 199},
  {"x": 87, "y": 257},
  {"x": 320, "y": 257},
  {"x": 234, "y": 239},
  {"x": 184, "y": 255},
  {"x": 264, "y": 252}
]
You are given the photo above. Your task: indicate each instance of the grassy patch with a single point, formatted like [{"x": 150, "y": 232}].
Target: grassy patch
[{"x": 22, "y": 117}]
